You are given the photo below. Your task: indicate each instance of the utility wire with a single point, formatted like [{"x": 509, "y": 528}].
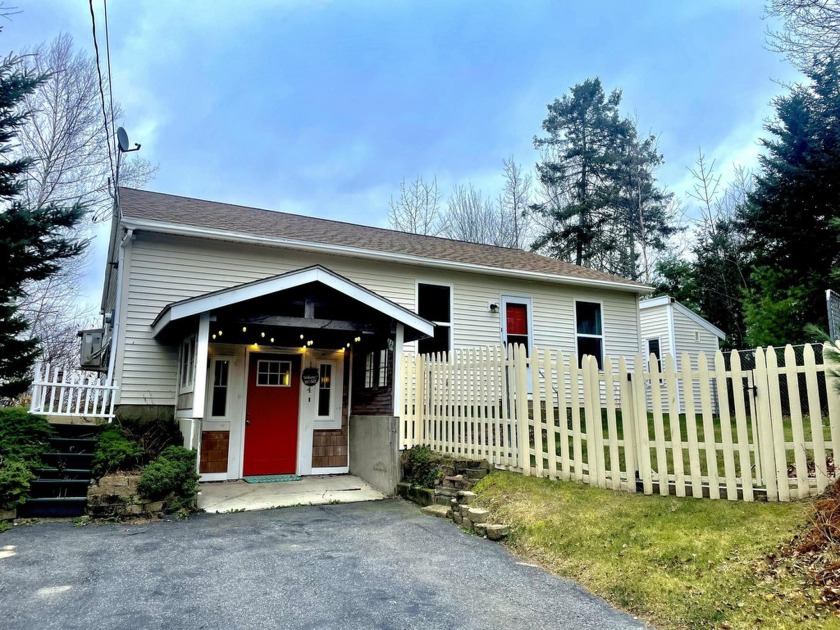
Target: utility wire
[
  {"x": 101, "y": 89},
  {"x": 110, "y": 81}
]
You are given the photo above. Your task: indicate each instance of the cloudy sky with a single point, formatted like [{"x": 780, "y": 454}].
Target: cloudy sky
[{"x": 322, "y": 108}]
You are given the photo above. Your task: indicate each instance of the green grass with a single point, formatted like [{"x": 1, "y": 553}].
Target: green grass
[{"x": 677, "y": 563}]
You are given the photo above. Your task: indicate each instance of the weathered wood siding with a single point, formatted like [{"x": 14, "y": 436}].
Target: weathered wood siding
[{"x": 164, "y": 269}]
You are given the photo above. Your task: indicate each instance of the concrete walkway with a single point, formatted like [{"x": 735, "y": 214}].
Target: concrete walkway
[{"x": 240, "y": 496}]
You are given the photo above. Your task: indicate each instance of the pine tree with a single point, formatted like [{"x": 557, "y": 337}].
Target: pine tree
[
  {"x": 790, "y": 233},
  {"x": 33, "y": 241},
  {"x": 601, "y": 206}
]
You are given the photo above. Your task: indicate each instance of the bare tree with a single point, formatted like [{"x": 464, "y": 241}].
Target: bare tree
[
  {"x": 810, "y": 30},
  {"x": 65, "y": 139},
  {"x": 515, "y": 200},
  {"x": 472, "y": 217},
  {"x": 417, "y": 209}
]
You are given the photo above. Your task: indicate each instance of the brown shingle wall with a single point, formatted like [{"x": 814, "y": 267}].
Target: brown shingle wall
[
  {"x": 214, "y": 451},
  {"x": 329, "y": 447}
]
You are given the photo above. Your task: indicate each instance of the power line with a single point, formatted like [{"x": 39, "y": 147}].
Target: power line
[
  {"x": 101, "y": 88},
  {"x": 110, "y": 81}
]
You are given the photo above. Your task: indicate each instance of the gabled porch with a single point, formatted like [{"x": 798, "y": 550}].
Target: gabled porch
[{"x": 275, "y": 375}]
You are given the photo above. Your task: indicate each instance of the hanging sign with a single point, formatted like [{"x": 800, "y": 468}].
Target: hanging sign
[{"x": 310, "y": 376}]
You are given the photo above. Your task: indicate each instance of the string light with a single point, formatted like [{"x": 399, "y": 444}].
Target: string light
[
  {"x": 348, "y": 344},
  {"x": 272, "y": 340},
  {"x": 214, "y": 336},
  {"x": 301, "y": 336},
  {"x": 262, "y": 334},
  {"x": 220, "y": 333},
  {"x": 357, "y": 339}
]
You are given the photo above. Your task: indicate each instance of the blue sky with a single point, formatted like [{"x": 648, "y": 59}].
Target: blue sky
[{"x": 322, "y": 108}]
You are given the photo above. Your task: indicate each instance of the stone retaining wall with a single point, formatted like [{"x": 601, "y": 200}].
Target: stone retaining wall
[{"x": 115, "y": 496}]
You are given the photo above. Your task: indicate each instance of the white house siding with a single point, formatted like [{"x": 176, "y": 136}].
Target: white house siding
[{"x": 164, "y": 269}]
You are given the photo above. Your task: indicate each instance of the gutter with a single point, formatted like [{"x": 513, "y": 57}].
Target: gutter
[
  {"x": 341, "y": 250},
  {"x": 115, "y": 329}
]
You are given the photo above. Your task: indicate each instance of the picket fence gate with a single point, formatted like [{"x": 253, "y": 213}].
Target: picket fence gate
[{"x": 542, "y": 415}]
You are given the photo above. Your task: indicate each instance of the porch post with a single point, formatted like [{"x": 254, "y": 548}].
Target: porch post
[
  {"x": 396, "y": 385},
  {"x": 200, "y": 382}
]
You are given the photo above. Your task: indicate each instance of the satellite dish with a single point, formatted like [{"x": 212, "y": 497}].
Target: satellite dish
[{"x": 122, "y": 139}]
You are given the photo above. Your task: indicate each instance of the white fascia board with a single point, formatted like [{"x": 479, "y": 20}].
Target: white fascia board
[
  {"x": 653, "y": 302},
  {"x": 717, "y": 332},
  {"x": 235, "y": 295},
  {"x": 343, "y": 250}
]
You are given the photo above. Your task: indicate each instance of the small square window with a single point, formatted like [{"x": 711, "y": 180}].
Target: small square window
[{"x": 274, "y": 373}]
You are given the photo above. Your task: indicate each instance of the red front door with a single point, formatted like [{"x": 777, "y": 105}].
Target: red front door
[{"x": 271, "y": 414}]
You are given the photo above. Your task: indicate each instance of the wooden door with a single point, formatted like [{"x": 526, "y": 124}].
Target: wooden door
[{"x": 271, "y": 416}]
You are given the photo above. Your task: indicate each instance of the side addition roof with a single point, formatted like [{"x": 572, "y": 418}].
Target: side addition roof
[{"x": 697, "y": 319}]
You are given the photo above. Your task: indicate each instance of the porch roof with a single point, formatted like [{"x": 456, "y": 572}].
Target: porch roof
[{"x": 240, "y": 293}]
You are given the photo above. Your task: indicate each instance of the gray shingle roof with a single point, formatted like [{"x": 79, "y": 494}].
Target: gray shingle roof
[{"x": 153, "y": 206}]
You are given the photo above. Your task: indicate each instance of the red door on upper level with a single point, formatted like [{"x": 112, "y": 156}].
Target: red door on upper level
[{"x": 271, "y": 415}]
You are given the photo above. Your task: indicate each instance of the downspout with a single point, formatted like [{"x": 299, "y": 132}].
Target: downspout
[
  {"x": 673, "y": 346},
  {"x": 115, "y": 329}
]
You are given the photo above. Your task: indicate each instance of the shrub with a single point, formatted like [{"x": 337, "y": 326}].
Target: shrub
[
  {"x": 171, "y": 473},
  {"x": 23, "y": 436},
  {"x": 15, "y": 476},
  {"x": 153, "y": 427},
  {"x": 422, "y": 466},
  {"x": 115, "y": 451}
]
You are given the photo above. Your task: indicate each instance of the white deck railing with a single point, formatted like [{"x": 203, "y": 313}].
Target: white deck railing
[{"x": 70, "y": 393}]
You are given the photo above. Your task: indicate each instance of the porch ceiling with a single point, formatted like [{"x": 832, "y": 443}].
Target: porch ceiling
[{"x": 306, "y": 299}]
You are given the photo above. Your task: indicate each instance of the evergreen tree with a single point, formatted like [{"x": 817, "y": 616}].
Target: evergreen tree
[
  {"x": 601, "y": 207},
  {"x": 789, "y": 220},
  {"x": 33, "y": 241}
]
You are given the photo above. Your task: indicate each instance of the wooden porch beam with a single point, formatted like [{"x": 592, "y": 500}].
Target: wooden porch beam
[{"x": 308, "y": 322}]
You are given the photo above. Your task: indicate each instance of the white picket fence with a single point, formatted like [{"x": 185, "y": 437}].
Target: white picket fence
[
  {"x": 595, "y": 425},
  {"x": 70, "y": 393}
]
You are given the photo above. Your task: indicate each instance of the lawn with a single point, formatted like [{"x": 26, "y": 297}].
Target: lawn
[{"x": 677, "y": 563}]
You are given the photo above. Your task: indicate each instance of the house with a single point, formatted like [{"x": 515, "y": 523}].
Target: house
[
  {"x": 668, "y": 327},
  {"x": 276, "y": 340}
]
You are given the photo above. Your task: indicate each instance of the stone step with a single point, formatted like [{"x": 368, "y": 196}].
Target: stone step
[
  {"x": 441, "y": 511},
  {"x": 476, "y": 474}
]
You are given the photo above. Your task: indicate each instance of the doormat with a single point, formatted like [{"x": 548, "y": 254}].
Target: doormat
[{"x": 271, "y": 478}]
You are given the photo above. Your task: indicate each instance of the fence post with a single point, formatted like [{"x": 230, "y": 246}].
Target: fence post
[
  {"x": 765, "y": 426},
  {"x": 628, "y": 423},
  {"x": 520, "y": 361}
]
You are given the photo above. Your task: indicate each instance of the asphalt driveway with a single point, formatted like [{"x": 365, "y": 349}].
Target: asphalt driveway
[{"x": 363, "y": 565}]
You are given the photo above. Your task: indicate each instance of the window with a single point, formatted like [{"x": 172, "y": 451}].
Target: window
[
  {"x": 187, "y": 364},
  {"x": 370, "y": 370},
  {"x": 274, "y": 373},
  {"x": 219, "y": 394},
  {"x": 382, "y": 380},
  {"x": 377, "y": 365},
  {"x": 590, "y": 333},
  {"x": 653, "y": 349},
  {"x": 325, "y": 391},
  {"x": 434, "y": 302},
  {"x": 516, "y": 325}
]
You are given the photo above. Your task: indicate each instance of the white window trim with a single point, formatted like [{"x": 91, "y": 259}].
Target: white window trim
[
  {"x": 333, "y": 420},
  {"x": 211, "y": 372},
  {"x": 281, "y": 361},
  {"x": 602, "y": 336},
  {"x": 186, "y": 376},
  {"x": 451, "y": 323},
  {"x": 384, "y": 362},
  {"x": 647, "y": 341},
  {"x": 522, "y": 300}
]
